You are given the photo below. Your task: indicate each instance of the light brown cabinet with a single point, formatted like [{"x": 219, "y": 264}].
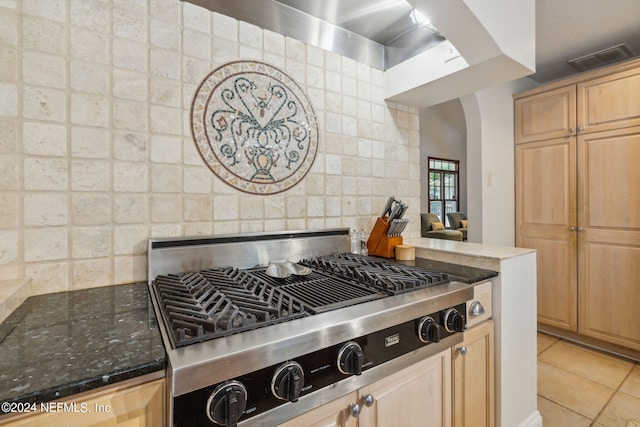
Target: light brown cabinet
[
  {"x": 609, "y": 240},
  {"x": 609, "y": 102},
  {"x": 419, "y": 395},
  {"x": 577, "y": 201},
  {"x": 546, "y": 115},
  {"x": 333, "y": 414},
  {"x": 546, "y": 221},
  {"x": 120, "y": 405},
  {"x": 473, "y": 378},
  {"x": 606, "y": 101}
]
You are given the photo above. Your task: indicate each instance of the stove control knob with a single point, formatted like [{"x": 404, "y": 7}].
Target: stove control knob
[
  {"x": 288, "y": 381},
  {"x": 453, "y": 321},
  {"x": 226, "y": 403},
  {"x": 428, "y": 330},
  {"x": 351, "y": 359}
]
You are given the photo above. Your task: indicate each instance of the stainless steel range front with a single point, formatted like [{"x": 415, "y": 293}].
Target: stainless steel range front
[{"x": 260, "y": 328}]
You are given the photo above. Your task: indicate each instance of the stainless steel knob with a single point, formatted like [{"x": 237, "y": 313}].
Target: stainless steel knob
[
  {"x": 476, "y": 309},
  {"x": 354, "y": 409},
  {"x": 571, "y": 130},
  {"x": 462, "y": 350},
  {"x": 580, "y": 129},
  {"x": 572, "y": 228},
  {"x": 368, "y": 400},
  {"x": 580, "y": 229}
]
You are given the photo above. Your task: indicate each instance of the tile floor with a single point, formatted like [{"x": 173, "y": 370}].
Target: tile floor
[{"x": 582, "y": 387}]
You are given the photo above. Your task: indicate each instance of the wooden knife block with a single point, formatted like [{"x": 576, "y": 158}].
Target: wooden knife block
[{"x": 379, "y": 243}]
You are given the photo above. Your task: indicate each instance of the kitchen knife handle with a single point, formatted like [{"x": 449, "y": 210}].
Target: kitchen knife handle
[
  {"x": 394, "y": 213},
  {"x": 387, "y": 207}
]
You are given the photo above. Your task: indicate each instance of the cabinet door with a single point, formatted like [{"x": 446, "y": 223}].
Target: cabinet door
[
  {"x": 140, "y": 405},
  {"x": 609, "y": 241},
  {"x": 610, "y": 102},
  {"x": 546, "y": 115},
  {"x": 545, "y": 218},
  {"x": 332, "y": 414},
  {"x": 418, "y": 396},
  {"x": 473, "y": 383}
]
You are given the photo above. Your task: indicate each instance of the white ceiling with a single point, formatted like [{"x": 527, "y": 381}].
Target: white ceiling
[{"x": 568, "y": 29}]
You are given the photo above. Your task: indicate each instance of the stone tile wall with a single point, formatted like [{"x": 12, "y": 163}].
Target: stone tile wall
[{"x": 96, "y": 154}]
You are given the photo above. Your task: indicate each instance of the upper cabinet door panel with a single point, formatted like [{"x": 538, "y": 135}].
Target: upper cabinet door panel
[
  {"x": 609, "y": 183},
  {"x": 546, "y": 115},
  {"x": 610, "y": 102}
]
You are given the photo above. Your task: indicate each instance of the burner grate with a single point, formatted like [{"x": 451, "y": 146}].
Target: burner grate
[
  {"x": 389, "y": 277},
  {"x": 199, "y": 306},
  {"x": 203, "y": 305},
  {"x": 252, "y": 287}
]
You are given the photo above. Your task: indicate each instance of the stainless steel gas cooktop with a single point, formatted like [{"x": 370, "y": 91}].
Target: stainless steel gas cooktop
[{"x": 248, "y": 348}]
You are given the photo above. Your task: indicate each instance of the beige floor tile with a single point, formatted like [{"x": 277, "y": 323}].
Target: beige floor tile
[
  {"x": 629, "y": 424},
  {"x": 622, "y": 410},
  {"x": 631, "y": 385},
  {"x": 572, "y": 391},
  {"x": 554, "y": 415},
  {"x": 594, "y": 365},
  {"x": 545, "y": 341}
]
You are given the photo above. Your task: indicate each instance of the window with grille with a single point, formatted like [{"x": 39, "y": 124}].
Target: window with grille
[{"x": 443, "y": 187}]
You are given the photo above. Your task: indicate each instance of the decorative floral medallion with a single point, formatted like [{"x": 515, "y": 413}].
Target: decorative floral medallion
[{"x": 254, "y": 127}]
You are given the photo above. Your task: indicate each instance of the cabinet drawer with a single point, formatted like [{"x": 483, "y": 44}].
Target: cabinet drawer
[{"x": 482, "y": 296}]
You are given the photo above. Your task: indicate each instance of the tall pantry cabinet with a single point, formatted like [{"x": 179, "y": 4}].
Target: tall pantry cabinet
[{"x": 577, "y": 162}]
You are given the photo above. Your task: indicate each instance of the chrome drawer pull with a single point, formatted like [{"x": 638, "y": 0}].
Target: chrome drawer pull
[{"x": 476, "y": 309}]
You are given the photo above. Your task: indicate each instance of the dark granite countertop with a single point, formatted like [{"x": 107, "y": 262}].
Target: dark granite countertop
[
  {"x": 57, "y": 345},
  {"x": 456, "y": 272}
]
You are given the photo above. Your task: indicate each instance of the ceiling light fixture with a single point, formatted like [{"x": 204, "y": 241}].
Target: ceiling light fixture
[{"x": 423, "y": 22}]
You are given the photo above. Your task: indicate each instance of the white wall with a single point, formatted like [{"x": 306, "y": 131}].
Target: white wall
[
  {"x": 490, "y": 171},
  {"x": 496, "y": 41},
  {"x": 515, "y": 342},
  {"x": 474, "y": 168}
]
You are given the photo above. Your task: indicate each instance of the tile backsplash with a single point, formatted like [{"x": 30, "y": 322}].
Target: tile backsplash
[{"x": 96, "y": 151}]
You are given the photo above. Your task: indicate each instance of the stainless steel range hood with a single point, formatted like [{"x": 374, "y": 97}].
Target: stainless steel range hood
[
  {"x": 486, "y": 43},
  {"x": 379, "y": 33}
]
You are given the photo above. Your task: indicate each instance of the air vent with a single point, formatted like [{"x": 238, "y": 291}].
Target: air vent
[{"x": 604, "y": 57}]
